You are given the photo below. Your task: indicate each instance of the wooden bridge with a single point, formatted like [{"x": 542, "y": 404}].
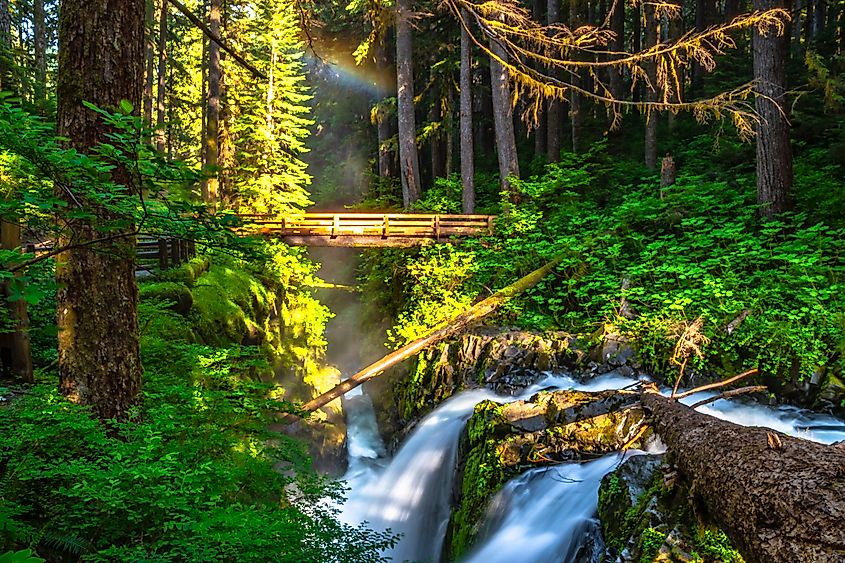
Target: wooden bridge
[{"x": 367, "y": 229}]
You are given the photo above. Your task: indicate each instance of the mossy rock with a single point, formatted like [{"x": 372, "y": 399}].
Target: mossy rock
[
  {"x": 178, "y": 294},
  {"x": 648, "y": 518},
  {"x": 218, "y": 320},
  {"x": 168, "y": 326},
  {"x": 187, "y": 273}
]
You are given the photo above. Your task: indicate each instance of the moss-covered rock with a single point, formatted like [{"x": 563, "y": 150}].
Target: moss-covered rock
[
  {"x": 502, "y": 440},
  {"x": 502, "y": 359},
  {"x": 177, "y": 294},
  {"x": 646, "y": 517},
  {"x": 187, "y": 273}
]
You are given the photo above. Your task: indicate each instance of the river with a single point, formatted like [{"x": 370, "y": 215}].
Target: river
[{"x": 544, "y": 515}]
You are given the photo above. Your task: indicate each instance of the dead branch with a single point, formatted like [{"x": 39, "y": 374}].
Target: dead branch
[
  {"x": 729, "y": 394},
  {"x": 718, "y": 384}
]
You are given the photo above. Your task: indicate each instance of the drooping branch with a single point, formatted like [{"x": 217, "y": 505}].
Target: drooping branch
[
  {"x": 217, "y": 39},
  {"x": 453, "y": 327}
]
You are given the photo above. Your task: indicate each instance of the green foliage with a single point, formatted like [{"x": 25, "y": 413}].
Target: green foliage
[
  {"x": 695, "y": 250},
  {"x": 714, "y": 545},
  {"x": 650, "y": 544},
  {"x": 195, "y": 474},
  {"x": 22, "y": 556}
]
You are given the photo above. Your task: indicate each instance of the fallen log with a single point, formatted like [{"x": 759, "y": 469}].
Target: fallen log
[
  {"x": 778, "y": 498},
  {"x": 453, "y": 327}
]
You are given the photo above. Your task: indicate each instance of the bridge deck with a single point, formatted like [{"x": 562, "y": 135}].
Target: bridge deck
[{"x": 367, "y": 229}]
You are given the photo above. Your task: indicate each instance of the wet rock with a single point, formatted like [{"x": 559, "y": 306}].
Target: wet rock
[
  {"x": 831, "y": 395},
  {"x": 647, "y": 515}
]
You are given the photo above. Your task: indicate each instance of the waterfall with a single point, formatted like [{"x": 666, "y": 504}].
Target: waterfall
[{"x": 545, "y": 515}]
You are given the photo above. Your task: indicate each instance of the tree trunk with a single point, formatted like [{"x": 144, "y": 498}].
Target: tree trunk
[
  {"x": 652, "y": 91},
  {"x": 383, "y": 129},
  {"x": 409, "y": 160},
  {"x": 40, "y": 40},
  {"x": 819, "y": 18},
  {"x": 467, "y": 149},
  {"x": 778, "y": 498},
  {"x": 15, "y": 351},
  {"x": 617, "y": 45},
  {"x": 101, "y": 60},
  {"x": 162, "y": 77},
  {"x": 553, "y": 117},
  {"x": 435, "y": 144},
  {"x": 576, "y": 113},
  {"x": 149, "y": 53},
  {"x": 503, "y": 118},
  {"x": 703, "y": 19},
  {"x": 5, "y": 45},
  {"x": 774, "y": 153},
  {"x": 212, "y": 113}
]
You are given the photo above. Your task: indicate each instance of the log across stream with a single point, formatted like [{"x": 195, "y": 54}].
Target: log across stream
[{"x": 544, "y": 515}]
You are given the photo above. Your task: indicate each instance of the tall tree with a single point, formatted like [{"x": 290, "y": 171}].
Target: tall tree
[
  {"x": 553, "y": 120},
  {"x": 652, "y": 89},
  {"x": 774, "y": 153},
  {"x": 212, "y": 114},
  {"x": 101, "y": 60},
  {"x": 383, "y": 119},
  {"x": 162, "y": 77},
  {"x": 617, "y": 45},
  {"x": 409, "y": 162},
  {"x": 503, "y": 117},
  {"x": 5, "y": 45},
  {"x": 467, "y": 149},
  {"x": 576, "y": 111},
  {"x": 149, "y": 72},
  {"x": 40, "y": 40}
]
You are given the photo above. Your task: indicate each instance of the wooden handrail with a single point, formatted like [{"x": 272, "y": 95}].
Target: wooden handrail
[{"x": 380, "y": 225}]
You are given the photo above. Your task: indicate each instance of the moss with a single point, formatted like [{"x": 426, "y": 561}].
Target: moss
[
  {"x": 187, "y": 273},
  {"x": 650, "y": 543},
  {"x": 714, "y": 545},
  {"x": 218, "y": 320},
  {"x": 484, "y": 473},
  {"x": 168, "y": 326},
  {"x": 177, "y": 294}
]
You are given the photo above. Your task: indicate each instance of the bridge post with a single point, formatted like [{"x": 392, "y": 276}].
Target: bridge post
[
  {"x": 162, "y": 254},
  {"x": 175, "y": 252},
  {"x": 490, "y": 225},
  {"x": 437, "y": 227},
  {"x": 335, "y": 225}
]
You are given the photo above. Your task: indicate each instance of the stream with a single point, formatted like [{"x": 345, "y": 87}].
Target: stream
[{"x": 545, "y": 515}]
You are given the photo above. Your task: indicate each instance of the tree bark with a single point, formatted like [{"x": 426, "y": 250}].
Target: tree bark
[
  {"x": 576, "y": 113},
  {"x": 553, "y": 120},
  {"x": 40, "y": 41},
  {"x": 101, "y": 60},
  {"x": 467, "y": 148},
  {"x": 503, "y": 118},
  {"x": 778, "y": 498},
  {"x": 15, "y": 353},
  {"x": 5, "y": 45},
  {"x": 409, "y": 160},
  {"x": 774, "y": 153},
  {"x": 149, "y": 53},
  {"x": 212, "y": 113},
  {"x": 383, "y": 129},
  {"x": 652, "y": 91},
  {"x": 162, "y": 76},
  {"x": 617, "y": 45},
  {"x": 455, "y": 326}
]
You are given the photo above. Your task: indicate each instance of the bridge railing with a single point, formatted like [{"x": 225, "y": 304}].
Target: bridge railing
[{"x": 371, "y": 224}]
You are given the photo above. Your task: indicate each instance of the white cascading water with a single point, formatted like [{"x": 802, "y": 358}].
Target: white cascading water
[{"x": 544, "y": 515}]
